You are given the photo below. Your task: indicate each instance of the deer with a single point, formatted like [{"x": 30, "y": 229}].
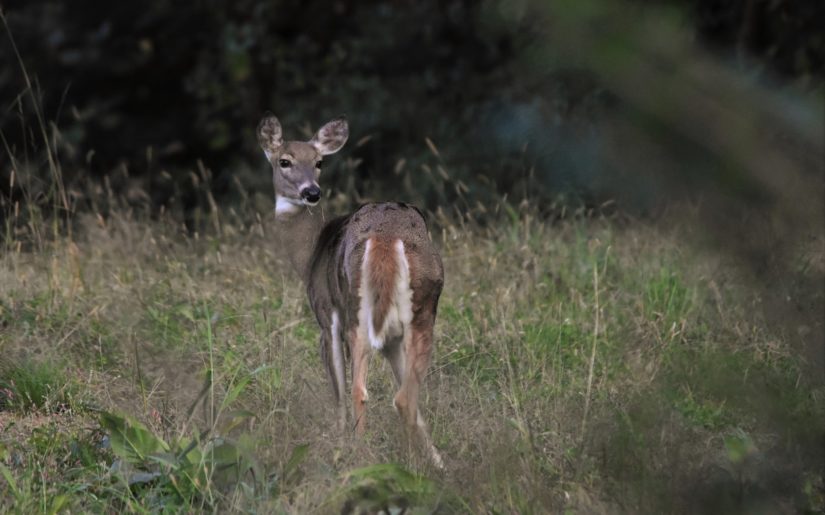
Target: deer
[{"x": 373, "y": 277}]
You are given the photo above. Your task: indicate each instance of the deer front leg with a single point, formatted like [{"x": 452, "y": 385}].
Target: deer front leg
[{"x": 360, "y": 361}]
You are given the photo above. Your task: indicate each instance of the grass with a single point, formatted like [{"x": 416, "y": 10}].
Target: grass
[
  {"x": 583, "y": 366},
  {"x": 33, "y": 385}
]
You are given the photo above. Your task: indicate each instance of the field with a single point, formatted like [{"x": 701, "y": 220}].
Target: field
[{"x": 592, "y": 364}]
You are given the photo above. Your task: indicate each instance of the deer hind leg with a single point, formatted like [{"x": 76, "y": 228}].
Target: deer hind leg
[
  {"x": 336, "y": 369},
  {"x": 413, "y": 359},
  {"x": 360, "y": 353}
]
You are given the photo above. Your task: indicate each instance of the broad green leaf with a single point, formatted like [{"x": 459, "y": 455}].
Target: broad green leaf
[
  {"x": 233, "y": 419},
  {"x": 224, "y": 454},
  {"x": 165, "y": 458},
  {"x": 188, "y": 453},
  {"x": 130, "y": 439},
  {"x": 58, "y": 503},
  {"x": 299, "y": 454},
  {"x": 10, "y": 480}
]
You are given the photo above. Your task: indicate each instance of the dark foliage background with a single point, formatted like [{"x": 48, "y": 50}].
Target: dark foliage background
[
  {"x": 148, "y": 89},
  {"x": 453, "y": 105}
]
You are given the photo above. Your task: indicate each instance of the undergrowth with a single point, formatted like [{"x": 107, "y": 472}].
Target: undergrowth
[{"x": 584, "y": 366}]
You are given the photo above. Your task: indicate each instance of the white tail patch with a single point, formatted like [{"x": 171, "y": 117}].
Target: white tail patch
[{"x": 399, "y": 314}]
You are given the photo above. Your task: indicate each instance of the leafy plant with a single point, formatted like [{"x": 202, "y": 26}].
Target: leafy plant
[
  {"x": 183, "y": 471},
  {"x": 391, "y": 488}
]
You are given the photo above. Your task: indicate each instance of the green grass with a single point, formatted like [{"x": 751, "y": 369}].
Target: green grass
[
  {"x": 580, "y": 367},
  {"x": 36, "y": 385}
]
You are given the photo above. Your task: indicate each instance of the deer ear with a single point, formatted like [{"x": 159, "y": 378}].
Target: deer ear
[
  {"x": 331, "y": 137},
  {"x": 269, "y": 134}
]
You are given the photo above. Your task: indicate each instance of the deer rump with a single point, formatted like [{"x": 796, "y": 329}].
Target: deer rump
[{"x": 385, "y": 310}]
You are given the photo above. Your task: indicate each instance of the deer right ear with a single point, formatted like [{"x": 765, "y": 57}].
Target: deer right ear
[{"x": 269, "y": 135}]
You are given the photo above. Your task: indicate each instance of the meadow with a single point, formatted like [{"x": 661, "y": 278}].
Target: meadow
[
  {"x": 627, "y": 197},
  {"x": 587, "y": 363}
]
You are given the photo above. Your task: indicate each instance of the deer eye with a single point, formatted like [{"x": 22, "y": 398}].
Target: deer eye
[
  {"x": 285, "y": 163},
  {"x": 318, "y": 165}
]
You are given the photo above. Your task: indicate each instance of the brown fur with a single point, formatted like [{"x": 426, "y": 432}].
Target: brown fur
[{"x": 383, "y": 269}]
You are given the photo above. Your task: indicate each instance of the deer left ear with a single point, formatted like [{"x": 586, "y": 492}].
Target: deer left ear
[{"x": 331, "y": 137}]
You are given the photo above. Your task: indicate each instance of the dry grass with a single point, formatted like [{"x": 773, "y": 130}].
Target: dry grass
[
  {"x": 668, "y": 393},
  {"x": 587, "y": 366}
]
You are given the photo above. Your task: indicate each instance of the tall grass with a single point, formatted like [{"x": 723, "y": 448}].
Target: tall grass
[
  {"x": 580, "y": 365},
  {"x": 588, "y": 364}
]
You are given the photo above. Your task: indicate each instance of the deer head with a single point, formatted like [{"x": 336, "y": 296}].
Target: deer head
[{"x": 296, "y": 165}]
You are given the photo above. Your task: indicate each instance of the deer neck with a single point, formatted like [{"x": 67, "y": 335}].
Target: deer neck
[{"x": 298, "y": 228}]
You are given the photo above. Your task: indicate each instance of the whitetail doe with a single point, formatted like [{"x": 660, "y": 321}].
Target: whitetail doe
[{"x": 373, "y": 277}]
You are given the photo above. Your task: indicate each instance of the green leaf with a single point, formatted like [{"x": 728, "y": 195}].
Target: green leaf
[
  {"x": 739, "y": 447},
  {"x": 235, "y": 391},
  {"x": 185, "y": 310},
  {"x": 165, "y": 458},
  {"x": 188, "y": 453},
  {"x": 234, "y": 418},
  {"x": 388, "y": 485},
  {"x": 58, "y": 503},
  {"x": 10, "y": 480},
  {"x": 130, "y": 439},
  {"x": 299, "y": 454},
  {"x": 224, "y": 454}
]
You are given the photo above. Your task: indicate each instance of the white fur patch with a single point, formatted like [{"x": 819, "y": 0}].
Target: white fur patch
[
  {"x": 399, "y": 314},
  {"x": 337, "y": 353},
  {"x": 285, "y": 206},
  {"x": 365, "y": 309}
]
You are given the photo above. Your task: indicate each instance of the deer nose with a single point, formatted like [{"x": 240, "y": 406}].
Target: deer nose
[{"x": 311, "y": 194}]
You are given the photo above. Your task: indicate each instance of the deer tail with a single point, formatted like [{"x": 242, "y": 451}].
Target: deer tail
[{"x": 385, "y": 295}]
